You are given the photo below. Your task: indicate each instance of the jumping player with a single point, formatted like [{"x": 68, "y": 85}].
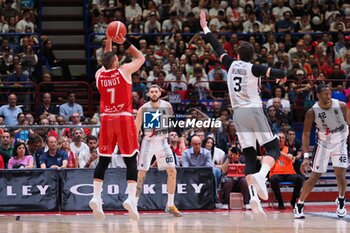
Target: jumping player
[
  {"x": 331, "y": 118},
  {"x": 117, "y": 123},
  {"x": 249, "y": 117},
  {"x": 154, "y": 142}
]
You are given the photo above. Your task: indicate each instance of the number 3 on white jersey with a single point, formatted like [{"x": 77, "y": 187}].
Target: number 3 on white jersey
[{"x": 112, "y": 91}]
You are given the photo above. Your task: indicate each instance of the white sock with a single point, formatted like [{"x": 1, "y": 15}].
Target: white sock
[
  {"x": 252, "y": 191},
  {"x": 170, "y": 199},
  {"x": 300, "y": 202},
  {"x": 131, "y": 190},
  {"x": 265, "y": 168},
  {"x": 342, "y": 197},
  {"x": 97, "y": 189}
]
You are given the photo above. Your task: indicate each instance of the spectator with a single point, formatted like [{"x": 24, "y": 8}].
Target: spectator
[
  {"x": 198, "y": 156},
  {"x": 9, "y": 27},
  {"x": 6, "y": 147},
  {"x": 133, "y": 11},
  {"x": 10, "y": 111},
  {"x": 279, "y": 10},
  {"x": 22, "y": 134},
  {"x": 137, "y": 85},
  {"x": 152, "y": 24},
  {"x": 195, "y": 103},
  {"x": 295, "y": 147},
  {"x": 172, "y": 22},
  {"x": 78, "y": 146},
  {"x": 75, "y": 121},
  {"x": 218, "y": 86},
  {"x": 20, "y": 158},
  {"x": 40, "y": 147},
  {"x": 233, "y": 184},
  {"x": 217, "y": 155},
  {"x": 345, "y": 66},
  {"x": 177, "y": 145},
  {"x": 25, "y": 22},
  {"x": 283, "y": 171},
  {"x": 89, "y": 159},
  {"x": 180, "y": 7},
  {"x": 337, "y": 77},
  {"x": 52, "y": 61},
  {"x": 228, "y": 137},
  {"x": 286, "y": 24},
  {"x": 100, "y": 27},
  {"x": 53, "y": 158},
  {"x": 278, "y": 91},
  {"x": 200, "y": 82},
  {"x": 63, "y": 144},
  {"x": 248, "y": 24},
  {"x": 46, "y": 108},
  {"x": 71, "y": 107},
  {"x": 8, "y": 12}
]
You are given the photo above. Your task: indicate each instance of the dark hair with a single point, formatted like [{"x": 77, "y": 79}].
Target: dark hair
[
  {"x": 108, "y": 59},
  {"x": 321, "y": 87},
  {"x": 18, "y": 144},
  {"x": 91, "y": 137},
  {"x": 70, "y": 92},
  {"x": 277, "y": 87},
  {"x": 245, "y": 51},
  {"x": 212, "y": 148}
]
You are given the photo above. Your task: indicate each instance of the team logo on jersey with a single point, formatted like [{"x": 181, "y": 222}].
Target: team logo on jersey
[{"x": 151, "y": 120}]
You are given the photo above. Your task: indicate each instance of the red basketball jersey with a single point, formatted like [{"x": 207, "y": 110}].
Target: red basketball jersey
[{"x": 115, "y": 91}]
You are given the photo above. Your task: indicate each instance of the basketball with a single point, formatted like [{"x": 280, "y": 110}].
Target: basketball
[{"x": 115, "y": 29}]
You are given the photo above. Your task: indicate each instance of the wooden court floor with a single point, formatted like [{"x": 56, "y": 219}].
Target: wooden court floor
[{"x": 318, "y": 220}]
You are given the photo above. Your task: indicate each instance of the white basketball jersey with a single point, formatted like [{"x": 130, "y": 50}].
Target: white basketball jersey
[
  {"x": 164, "y": 112},
  {"x": 331, "y": 125},
  {"x": 243, "y": 86}
]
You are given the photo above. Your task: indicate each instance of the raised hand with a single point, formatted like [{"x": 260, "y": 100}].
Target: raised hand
[{"x": 203, "y": 19}]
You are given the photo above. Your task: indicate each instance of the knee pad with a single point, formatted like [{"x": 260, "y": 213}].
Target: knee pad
[
  {"x": 131, "y": 167},
  {"x": 101, "y": 167},
  {"x": 250, "y": 156},
  {"x": 273, "y": 149}
]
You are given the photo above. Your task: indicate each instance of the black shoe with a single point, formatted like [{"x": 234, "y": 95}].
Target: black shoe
[{"x": 281, "y": 206}]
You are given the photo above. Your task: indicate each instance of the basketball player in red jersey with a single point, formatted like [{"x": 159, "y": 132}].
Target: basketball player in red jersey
[{"x": 117, "y": 123}]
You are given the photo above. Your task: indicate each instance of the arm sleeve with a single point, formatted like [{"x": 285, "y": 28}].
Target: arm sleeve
[
  {"x": 259, "y": 70},
  {"x": 219, "y": 50}
]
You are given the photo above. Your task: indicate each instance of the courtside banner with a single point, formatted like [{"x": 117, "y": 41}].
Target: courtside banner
[
  {"x": 29, "y": 190},
  {"x": 194, "y": 189}
]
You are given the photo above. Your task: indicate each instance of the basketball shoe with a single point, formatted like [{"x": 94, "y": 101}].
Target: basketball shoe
[
  {"x": 96, "y": 206},
  {"x": 259, "y": 182},
  {"x": 299, "y": 211},
  {"x": 173, "y": 210},
  {"x": 131, "y": 206},
  {"x": 341, "y": 210}
]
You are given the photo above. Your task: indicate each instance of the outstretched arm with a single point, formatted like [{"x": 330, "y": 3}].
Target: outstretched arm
[
  {"x": 225, "y": 59},
  {"x": 260, "y": 70}
]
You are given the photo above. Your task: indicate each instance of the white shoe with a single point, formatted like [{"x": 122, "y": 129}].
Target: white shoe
[
  {"x": 341, "y": 212},
  {"x": 131, "y": 206},
  {"x": 96, "y": 206},
  {"x": 247, "y": 207},
  {"x": 299, "y": 211},
  {"x": 255, "y": 205},
  {"x": 224, "y": 206},
  {"x": 259, "y": 183}
]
